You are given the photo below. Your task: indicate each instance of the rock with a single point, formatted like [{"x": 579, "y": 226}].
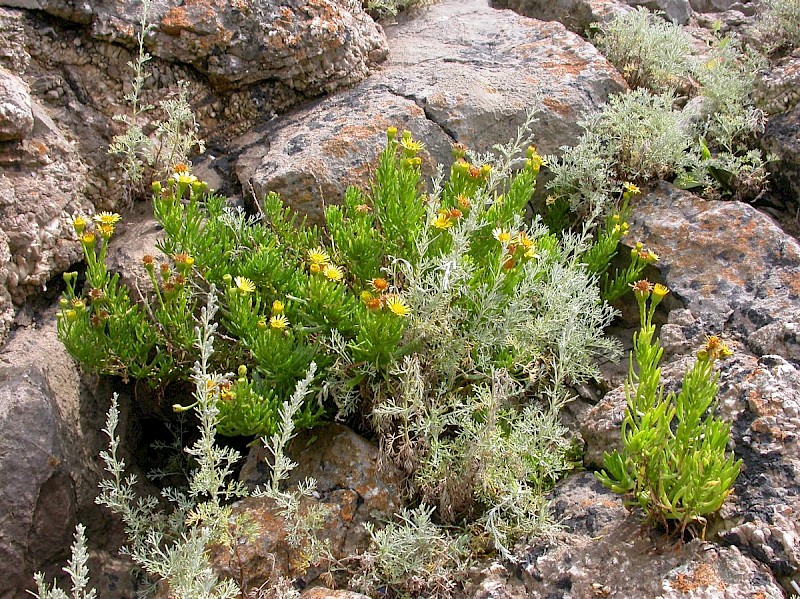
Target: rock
[
  {"x": 762, "y": 399},
  {"x": 776, "y": 88},
  {"x": 313, "y": 46},
  {"x": 781, "y": 138},
  {"x": 713, "y": 6},
  {"x": 731, "y": 265},
  {"x": 351, "y": 485},
  {"x": 459, "y": 71},
  {"x": 48, "y": 466},
  {"x": 312, "y": 155},
  {"x": 137, "y": 235},
  {"x": 40, "y": 190},
  {"x": 676, "y": 11},
  {"x": 604, "y": 552},
  {"x": 16, "y": 115},
  {"x": 576, "y": 15}
]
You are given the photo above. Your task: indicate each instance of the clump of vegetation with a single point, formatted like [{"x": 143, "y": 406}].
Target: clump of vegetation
[
  {"x": 649, "y": 51},
  {"x": 674, "y": 463},
  {"x": 778, "y": 25},
  {"x": 689, "y": 119},
  {"x": 412, "y": 556},
  {"x": 149, "y": 146},
  {"x": 440, "y": 317},
  {"x": 381, "y": 9}
]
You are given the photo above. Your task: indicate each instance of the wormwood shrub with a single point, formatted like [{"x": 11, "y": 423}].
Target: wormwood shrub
[
  {"x": 689, "y": 118},
  {"x": 673, "y": 463},
  {"x": 778, "y": 25}
]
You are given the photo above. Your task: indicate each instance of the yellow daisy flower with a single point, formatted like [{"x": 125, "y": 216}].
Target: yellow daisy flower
[
  {"x": 278, "y": 307},
  {"x": 398, "y": 305},
  {"x": 79, "y": 224},
  {"x": 279, "y": 322},
  {"x": 318, "y": 256},
  {"x": 501, "y": 235},
  {"x": 333, "y": 272},
  {"x": 244, "y": 285},
  {"x": 442, "y": 221},
  {"x": 106, "y": 218}
]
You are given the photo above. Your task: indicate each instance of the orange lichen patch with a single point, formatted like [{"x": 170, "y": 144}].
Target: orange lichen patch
[
  {"x": 703, "y": 576},
  {"x": 341, "y": 146},
  {"x": 556, "y": 106},
  {"x": 175, "y": 20},
  {"x": 197, "y": 16}
]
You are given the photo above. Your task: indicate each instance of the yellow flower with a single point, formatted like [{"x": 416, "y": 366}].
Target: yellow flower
[
  {"x": 629, "y": 189},
  {"x": 333, "y": 272},
  {"x": 318, "y": 256},
  {"x": 442, "y": 221},
  {"x": 106, "y": 231},
  {"x": 398, "y": 305},
  {"x": 648, "y": 256},
  {"x": 244, "y": 285},
  {"x": 278, "y": 307},
  {"x": 379, "y": 284},
  {"x": 501, "y": 235},
  {"x": 366, "y": 296},
  {"x": 659, "y": 290},
  {"x": 410, "y": 147},
  {"x": 714, "y": 348},
  {"x": 88, "y": 238},
  {"x": 79, "y": 224},
  {"x": 522, "y": 239},
  {"x": 315, "y": 268},
  {"x": 107, "y": 218},
  {"x": 185, "y": 178},
  {"x": 279, "y": 322},
  {"x": 531, "y": 253}
]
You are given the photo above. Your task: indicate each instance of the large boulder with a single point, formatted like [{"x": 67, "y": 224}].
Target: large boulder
[
  {"x": 40, "y": 189},
  {"x": 459, "y": 71},
  {"x": 730, "y": 264},
  {"x": 352, "y": 485},
  {"x": 48, "y": 458},
  {"x": 576, "y": 15}
]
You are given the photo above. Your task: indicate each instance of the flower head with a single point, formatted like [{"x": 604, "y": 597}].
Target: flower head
[
  {"x": 244, "y": 285},
  {"x": 106, "y": 218},
  {"x": 463, "y": 201},
  {"x": 410, "y": 147},
  {"x": 501, "y": 235},
  {"x": 363, "y": 209},
  {"x": 148, "y": 262},
  {"x": 278, "y": 307},
  {"x": 455, "y": 213},
  {"x": 106, "y": 231},
  {"x": 318, "y": 256},
  {"x": 660, "y": 290},
  {"x": 279, "y": 322},
  {"x": 442, "y": 221},
  {"x": 714, "y": 348},
  {"x": 88, "y": 238},
  {"x": 642, "y": 289},
  {"x": 333, "y": 272},
  {"x": 79, "y": 224},
  {"x": 374, "y": 304},
  {"x": 379, "y": 284},
  {"x": 398, "y": 305}
]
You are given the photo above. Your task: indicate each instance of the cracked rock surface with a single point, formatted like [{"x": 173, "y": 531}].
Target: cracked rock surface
[{"x": 457, "y": 71}]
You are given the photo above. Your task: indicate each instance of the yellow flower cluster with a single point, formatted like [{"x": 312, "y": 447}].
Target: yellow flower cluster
[
  {"x": 517, "y": 245},
  {"x": 104, "y": 222},
  {"x": 319, "y": 263},
  {"x": 378, "y": 298}
]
